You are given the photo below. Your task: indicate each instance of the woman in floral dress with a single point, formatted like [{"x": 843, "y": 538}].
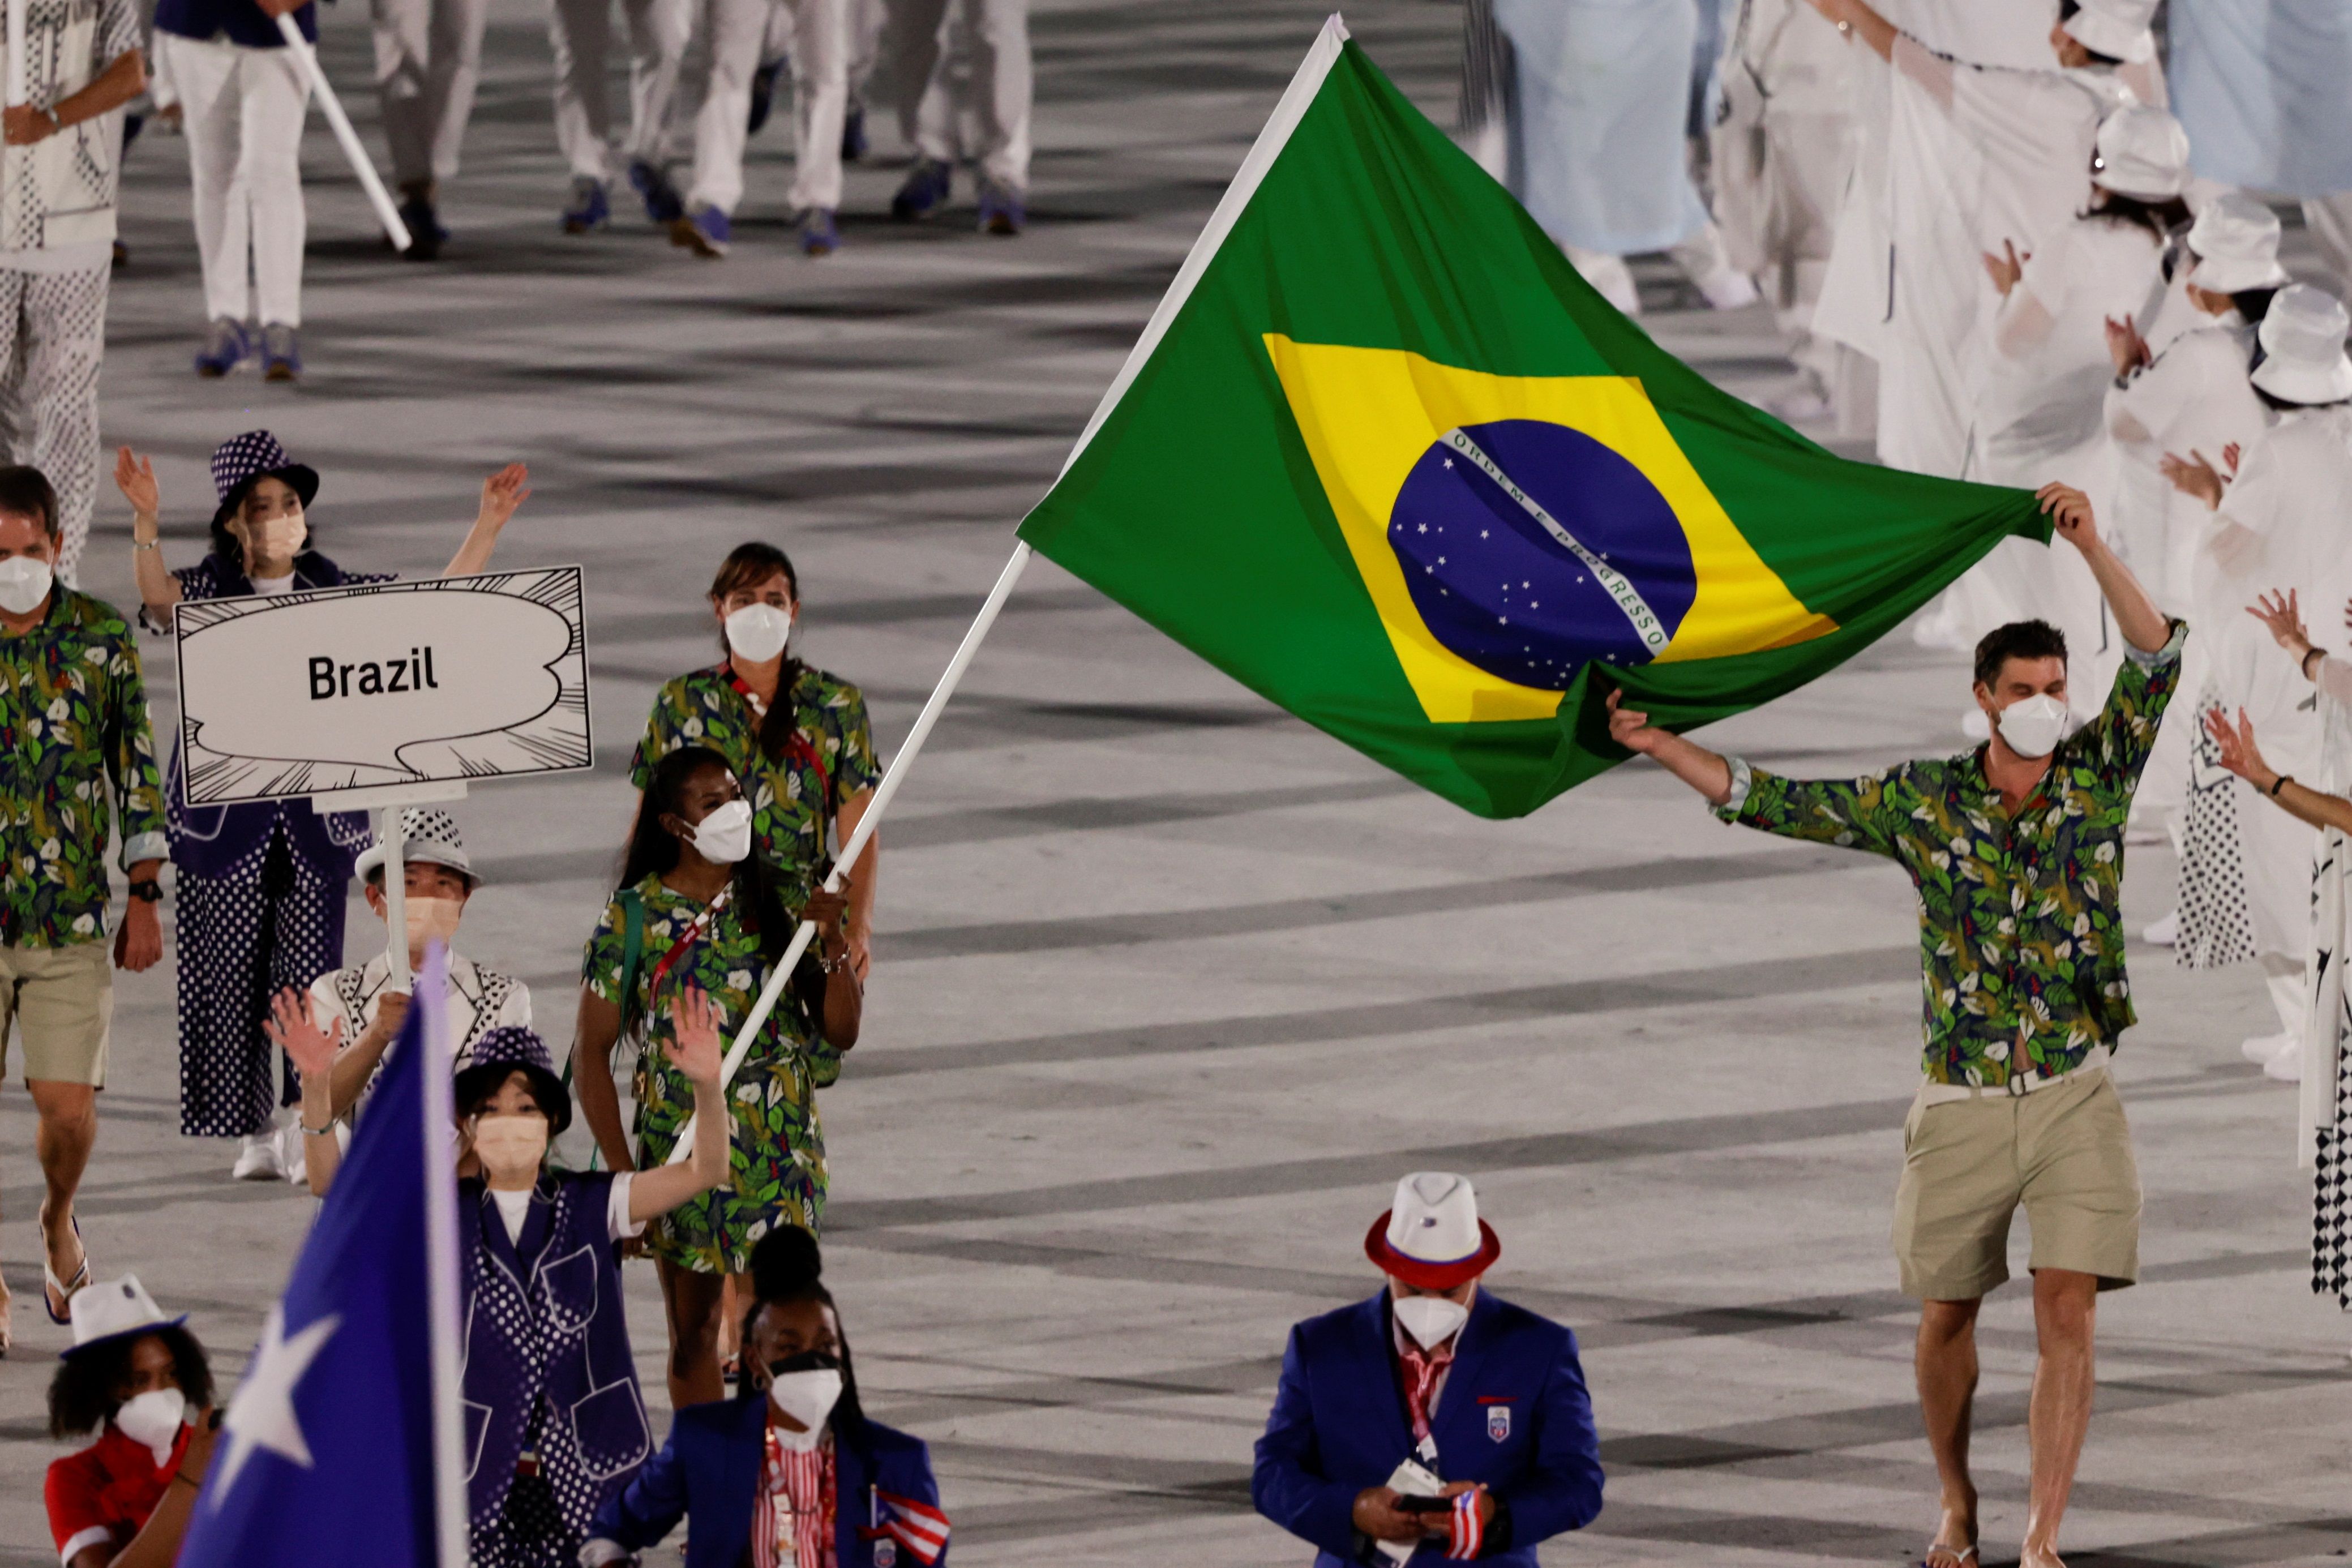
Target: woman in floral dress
[
  {"x": 696, "y": 907},
  {"x": 806, "y": 757}
]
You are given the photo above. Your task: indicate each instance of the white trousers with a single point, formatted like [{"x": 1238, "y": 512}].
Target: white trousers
[
  {"x": 52, "y": 337},
  {"x": 714, "y": 96},
  {"x": 581, "y": 33},
  {"x": 1702, "y": 256},
  {"x": 961, "y": 75},
  {"x": 428, "y": 60},
  {"x": 243, "y": 109}
]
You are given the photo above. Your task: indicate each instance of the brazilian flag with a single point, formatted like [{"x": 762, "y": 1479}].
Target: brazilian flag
[{"x": 1384, "y": 457}]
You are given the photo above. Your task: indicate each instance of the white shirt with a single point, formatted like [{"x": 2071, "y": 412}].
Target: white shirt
[
  {"x": 515, "y": 1207},
  {"x": 274, "y": 584}
]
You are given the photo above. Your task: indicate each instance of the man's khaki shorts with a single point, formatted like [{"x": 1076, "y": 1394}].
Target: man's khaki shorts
[
  {"x": 2064, "y": 1153},
  {"x": 62, "y": 1000}
]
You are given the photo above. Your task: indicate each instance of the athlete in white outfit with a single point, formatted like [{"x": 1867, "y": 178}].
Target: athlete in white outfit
[
  {"x": 1782, "y": 153},
  {"x": 2280, "y": 523},
  {"x": 713, "y": 109},
  {"x": 2170, "y": 407},
  {"x": 428, "y": 60},
  {"x": 959, "y": 72},
  {"x": 581, "y": 34}
]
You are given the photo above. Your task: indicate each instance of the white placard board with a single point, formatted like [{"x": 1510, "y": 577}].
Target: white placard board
[{"x": 381, "y": 685}]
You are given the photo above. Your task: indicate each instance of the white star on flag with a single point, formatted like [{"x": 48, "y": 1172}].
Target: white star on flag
[{"x": 262, "y": 1413}]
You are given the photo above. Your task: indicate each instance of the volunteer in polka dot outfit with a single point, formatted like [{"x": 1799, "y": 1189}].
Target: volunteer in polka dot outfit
[
  {"x": 697, "y": 908},
  {"x": 262, "y": 886},
  {"x": 807, "y": 758}
]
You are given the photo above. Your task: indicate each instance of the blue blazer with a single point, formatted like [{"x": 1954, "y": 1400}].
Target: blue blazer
[
  {"x": 709, "y": 1471},
  {"x": 1514, "y": 1415}
]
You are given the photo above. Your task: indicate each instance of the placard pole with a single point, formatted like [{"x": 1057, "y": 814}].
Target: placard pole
[
  {"x": 883, "y": 794},
  {"x": 395, "y": 897}
]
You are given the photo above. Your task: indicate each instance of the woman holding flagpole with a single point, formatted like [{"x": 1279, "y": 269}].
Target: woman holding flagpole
[
  {"x": 796, "y": 736},
  {"x": 696, "y": 907},
  {"x": 261, "y": 886}
]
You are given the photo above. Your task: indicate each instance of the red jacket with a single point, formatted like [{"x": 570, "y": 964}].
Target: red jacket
[{"x": 104, "y": 1493}]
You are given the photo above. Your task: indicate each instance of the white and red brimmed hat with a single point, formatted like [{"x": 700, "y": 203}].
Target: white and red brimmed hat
[
  {"x": 1431, "y": 1236},
  {"x": 2115, "y": 28}
]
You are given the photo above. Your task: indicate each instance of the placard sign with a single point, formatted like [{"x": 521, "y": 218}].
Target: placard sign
[{"x": 386, "y": 684}]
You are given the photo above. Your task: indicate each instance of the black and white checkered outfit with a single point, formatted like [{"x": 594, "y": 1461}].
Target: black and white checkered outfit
[{"x": 57, "y": 244}]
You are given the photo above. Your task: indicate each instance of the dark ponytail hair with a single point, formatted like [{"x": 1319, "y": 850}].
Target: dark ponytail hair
[
  {"x": 652, "y": 849},
  {"x": 745, "y": 566},
  {"x": 2255, "y": 304},
  {"x": 786, "y": 1266},
  {"x": 2160, "y": 218}
]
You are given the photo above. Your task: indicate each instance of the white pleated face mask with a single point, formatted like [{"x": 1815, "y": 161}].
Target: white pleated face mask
[
  {"x": 2033, "y": 727},
  {"x": 808, "y": 1397},
  {"x": 724, "y": 837},
  {"x": 759, "y": 632},
  {"x": 154, "y": 1419},
  {"x": 25, "y": 582},
  {"x": 1431, "y": 1319}
]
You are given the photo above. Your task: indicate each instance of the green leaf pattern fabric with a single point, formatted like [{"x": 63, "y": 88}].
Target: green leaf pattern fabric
[
  {"x": 80, "y": 750},
  {"x": 776, "y": 1164},
  {"x": 2020, "y": 935}
]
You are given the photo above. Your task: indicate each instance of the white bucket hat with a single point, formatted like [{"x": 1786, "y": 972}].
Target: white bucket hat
[
  {"x": 113, "y": 1309},
  {"x": 2236, "y": 239},
  {"x": 1431, "y": 1236},
  {"x": 2302, "y": 347},
  {"x": 427, "y": 833},
  {"x": 2142, "y": 153},
  {"x": 2115, "y": 28}
]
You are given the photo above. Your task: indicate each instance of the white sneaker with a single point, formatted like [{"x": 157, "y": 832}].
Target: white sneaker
[
  {"x": 2287, "y": 1066},
  {"x": 2259, "y": 1048},
  {"x": 2165, "y": 932},
  {"x": 291, "y": 1162},
  {"x": 256, "y": 1158},
  {"x": 1730, "y": 289}
]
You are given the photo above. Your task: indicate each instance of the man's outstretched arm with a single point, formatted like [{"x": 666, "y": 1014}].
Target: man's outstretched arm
[
  {"x": 1702, "y": 770},
  {"x": 2144, "y": 625}
]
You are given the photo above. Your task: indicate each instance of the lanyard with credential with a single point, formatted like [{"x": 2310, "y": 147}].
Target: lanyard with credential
[
  {"x": 693, "y": 933},
  {"x": 798, "y": 748}
]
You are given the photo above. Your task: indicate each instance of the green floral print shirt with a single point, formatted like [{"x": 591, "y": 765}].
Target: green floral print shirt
[
  {"x": 2021, "y": 915},
  {"x": 79, "y": 753},
  {"x": 776, "y": 1163},
  {"x": 793, "y": 797}
]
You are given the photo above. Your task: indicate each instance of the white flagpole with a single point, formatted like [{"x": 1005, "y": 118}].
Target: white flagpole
[
  {"x": 989, "y": 610},
  {"x": 450, "y": 1533},
  {"x": 332, "y": 107}
]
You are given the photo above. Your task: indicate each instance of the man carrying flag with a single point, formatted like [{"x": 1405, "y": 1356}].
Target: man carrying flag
[
  {"x": 2017, "y": 851},
  {"x": 331, "y": 1455}
]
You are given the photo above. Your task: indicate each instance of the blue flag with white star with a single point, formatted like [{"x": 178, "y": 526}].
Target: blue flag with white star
[{"x": 325, "y": 1458}]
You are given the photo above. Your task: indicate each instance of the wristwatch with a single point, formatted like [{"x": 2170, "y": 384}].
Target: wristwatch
[{"x": 149, "y": 892}]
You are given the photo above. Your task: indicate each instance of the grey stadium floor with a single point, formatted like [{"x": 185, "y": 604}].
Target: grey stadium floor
[{"x": 1170, "y": 989}]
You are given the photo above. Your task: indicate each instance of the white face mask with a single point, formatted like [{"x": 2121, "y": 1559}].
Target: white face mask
[
  {"x": 1431, "y": 1319},
  {"x": 24, "y": 583},
  {"x": 154, "y": 1419},
  {"x": 808, "y": 1397},
  {"x": 510, "y": 1148},
  {"x": 759, "y": 632},
  {"x": 2033, "y": 727},
  {"x": 724, "y": 837},
  {"x": 276, "y": 538},
  {"x": 431, "y": 919}
]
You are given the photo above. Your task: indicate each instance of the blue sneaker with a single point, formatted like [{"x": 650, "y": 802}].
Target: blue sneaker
[
  {"x": 225, "y": 348},
  {"x": 818, "y": 235},
  {"x": 925, "y": 190},
  {"x": 281, "y": 353},
  {"x": 707, "y": 233},
  {"x": 589, "y": 207},
  {"x": 763, "y": 95},
  {"x": 853, "y": 134},
  {"x": 1000, "y": 211},
  {"x": 661, "y": 199}
]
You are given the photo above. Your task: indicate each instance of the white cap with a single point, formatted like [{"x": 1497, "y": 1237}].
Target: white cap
[
  {"x": 2142, "y": 153},
  {"x": 426, "y": 833},
  {"x": 2115, "y": 28},
  {"x": 2236, "y": 239},
  {"x": 113, "y": 1308},
  {"x": 2302, "y": 347}
]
